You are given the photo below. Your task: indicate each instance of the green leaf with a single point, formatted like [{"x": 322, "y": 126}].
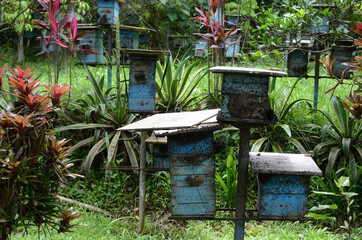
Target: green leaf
[
  {"x": 172, "y": 16},
  {"x": 80, "y": 126},
  {"x": 342, "y": 182},
  {"x": 325, "y": 193},
  {"x": 298, "y": 145},
  {"x": 131, "y": 154},
  {"x": 257, "y": 144},
  {"x": 286, "y": 129},
  {"x": 350, "y": 194},
  {"x": 113, "y": 148},
  {"x": 323, "y": 207},
  {"x": 320, "y": 217}
]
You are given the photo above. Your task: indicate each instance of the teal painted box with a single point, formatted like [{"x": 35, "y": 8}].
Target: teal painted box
[{"x": 192, "y": 175}]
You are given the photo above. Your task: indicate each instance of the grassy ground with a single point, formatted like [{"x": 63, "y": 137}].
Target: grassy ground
[{"x": 102, "y": 227}]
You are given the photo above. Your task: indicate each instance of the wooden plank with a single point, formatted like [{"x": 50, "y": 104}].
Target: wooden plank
[
  {"x": 171, "y": 120},
  {"x": 144, "y": 53},
  {"x": 247, "y": 71},
  {"x": 283, "y": 163},
  {"x": 157, "y": 140}
]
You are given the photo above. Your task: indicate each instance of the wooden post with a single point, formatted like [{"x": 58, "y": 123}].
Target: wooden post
[
  {"x": 316, "y": 74},
  {"x": 142, "y": 183},
  {"x": 241, "y": 192},
  {"x": 109, "y": 56}
]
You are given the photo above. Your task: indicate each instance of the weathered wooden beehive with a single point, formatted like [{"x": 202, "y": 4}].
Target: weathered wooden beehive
[
  {"x": 233, "y": 50},
  {"x": 245, "y": 95},
  {"x": 201, "y": 48},
  {"x": 129, "y": 39},
  {"x": 108, "y": 11},
  {"x": 283, "y": 184},
  {"x": 142, "y": 86},
  {"x": 161, "y": 159},
  {"x": 192, "y": 174},
  {"x": 339, "y": 56},
  {"x": 297, "y": 63},
  {"x": 92, "y": 41}
]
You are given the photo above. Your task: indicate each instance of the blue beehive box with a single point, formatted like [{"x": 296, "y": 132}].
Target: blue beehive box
[
  {"x": 192, "y": 175},
  {"x": 129, "y": 39},
  {"x": 244, "y": 95},
  {"x": 161, "y": 159},
  {"x": 141, "y": 97},
  {"x": 201, "y": 48},
  {"x": 339, "y": 56},
  {"x": 92, "y": 41},
  {"x": 142, "y": 86},
  {"x": 283, "y": 184},
  {"x": 297, "y": 63},
  {"x": 108, "y": 11},
  {"x": 232, "y": 50}
]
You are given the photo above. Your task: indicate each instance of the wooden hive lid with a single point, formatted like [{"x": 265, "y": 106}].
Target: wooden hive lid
[
  {"x": 248, "y": 71},
  {"x": 283, "y": 163}
]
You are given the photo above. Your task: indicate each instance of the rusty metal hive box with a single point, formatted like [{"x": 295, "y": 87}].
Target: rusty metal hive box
[
  {"x": 245, "y": 95},
  {"x": 283, "y": 184},
  {"x": 108, "y": 11},
  {"x": 192, "y": 175}
]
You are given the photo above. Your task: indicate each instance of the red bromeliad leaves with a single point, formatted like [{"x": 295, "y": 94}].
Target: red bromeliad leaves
[
  {"x": 20, "y": 124},
  {"x": 57, "y": 92},
  {"x": 2, "y": 70},
  {"x": 67, "y": 217},
  {"x": 354, "y": 105},
  {"x": 57, "y": 148},
  {"x": 22, "y": 82}
]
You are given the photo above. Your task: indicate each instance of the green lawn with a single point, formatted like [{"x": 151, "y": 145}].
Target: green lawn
[{"x": 102, "y": 227}]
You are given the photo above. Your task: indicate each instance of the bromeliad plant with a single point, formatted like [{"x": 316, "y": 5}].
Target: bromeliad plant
[
  {"x": 277, "y": 137},
  {"x": 176, "y": 85},
  {"x": 101, "y": 113},
  {"x": 340, "y": 144},
  {"x": 353, "y": 102},
  {"x": 33, "y": 163}
]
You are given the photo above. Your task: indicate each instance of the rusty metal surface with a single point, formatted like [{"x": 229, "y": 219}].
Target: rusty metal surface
[
  {"x": 341, "y": 55},
  {"x": 297, "y": 63},
  {"x": 245, "y": 99},
  {"x": 192, "y": 175},
  {"x": 282, "y": 196}
]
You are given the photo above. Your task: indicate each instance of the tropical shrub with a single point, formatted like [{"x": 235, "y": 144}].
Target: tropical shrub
[
  {"x": 340, "y": 145},
  {"x": 177, "y": 82},
  {"x": 100, "y": 111},
  {"x": 33, "y": 163},
  {"x": 277, "y": 137},
  {"x": 341, "y": 202}
]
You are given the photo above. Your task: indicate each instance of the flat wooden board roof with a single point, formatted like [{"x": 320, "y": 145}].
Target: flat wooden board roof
[
  {"x": 248, "y": 71},
  {"x": 283, "y": 163},
  {"x": 144, "y": 53},
  {"x": 165, "y": 121}
]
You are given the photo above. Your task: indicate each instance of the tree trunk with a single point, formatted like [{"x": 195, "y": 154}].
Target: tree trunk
[{"x": 20, "y": 53}]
